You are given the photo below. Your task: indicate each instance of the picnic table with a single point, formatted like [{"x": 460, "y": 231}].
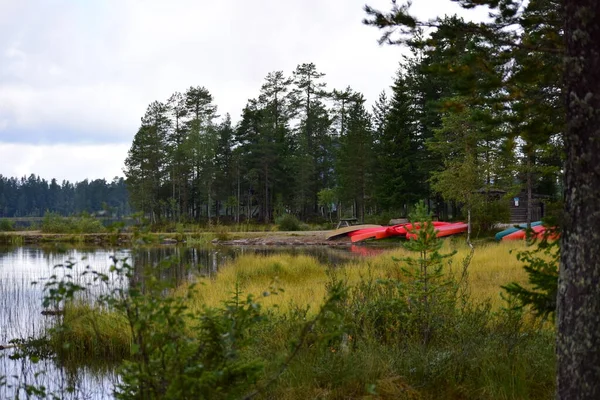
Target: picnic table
[{"x": 346, "y": 222}]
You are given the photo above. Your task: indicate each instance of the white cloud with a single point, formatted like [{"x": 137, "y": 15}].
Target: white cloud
[
  {"x": 71, "y": 162},
  {"x": 84, "y": 71}
]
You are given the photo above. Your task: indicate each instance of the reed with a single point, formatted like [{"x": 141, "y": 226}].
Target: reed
[{"x": 92, "y": 333}]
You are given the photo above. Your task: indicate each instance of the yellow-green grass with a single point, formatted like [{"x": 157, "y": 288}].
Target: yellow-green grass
[
  {"x": 90, "y": 331},
  {"x": 303, "y": 279}
]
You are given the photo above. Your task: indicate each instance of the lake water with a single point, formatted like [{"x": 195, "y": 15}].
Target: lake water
[{"x": 21, "y": 301}]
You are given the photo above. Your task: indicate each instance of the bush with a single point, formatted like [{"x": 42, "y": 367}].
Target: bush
[
  {"x": 54, "y": 223},
  {"x": 288, "y": 222},
  {"x": 6, "y": 225},
  {"x": 487, "y": 214}
]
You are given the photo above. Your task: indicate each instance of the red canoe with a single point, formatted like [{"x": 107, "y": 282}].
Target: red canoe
[
  {"x": 518, "y": 235},
  {"x": 384, "y": 232},
  {"x": 365, "y": 230},
  {"x": 446, "y": 229},
  {"x": 371, "y": 233},
  {"x": 538, "y": 232}
]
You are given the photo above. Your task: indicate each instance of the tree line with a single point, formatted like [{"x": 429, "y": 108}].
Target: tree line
[
  {"x": 34, "y": 196},
  {"x": 464, "y": 123}
]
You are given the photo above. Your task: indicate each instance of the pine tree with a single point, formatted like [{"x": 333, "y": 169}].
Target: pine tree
[
  {"x": 224, "y": 165},
  {"x": 200, "y": 148},
  {"x": 312, "y": 144},
  {"x": 178, "y": 169},
  {"x": 353, "y": 164},
  {"x": 145, "y": 166},
  {"x": 394, "y": 164}
]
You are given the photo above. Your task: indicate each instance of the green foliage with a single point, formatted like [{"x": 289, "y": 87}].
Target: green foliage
[
  {"x": 170, "y": 363},
  {"x": 54, "y": 223},
  {"x": 417, "y": 303},
  {"x": 541, "y": 265},
  {"x": 419, "y": 213},
  {"x": 398, "y": 173},
  {"x": 288, "y": 222},
  {"x": 488, "y": 213},
  {"x": 174, "y": 351},
  {"x": 430, "y": 292},
  {"x": 6, "y": 225},
  {"x": 415, "y": 334},
  {"x": 354, "y": 156},
  {"x": 327, "y": 197},
  {"x": 420, "y": 324}
]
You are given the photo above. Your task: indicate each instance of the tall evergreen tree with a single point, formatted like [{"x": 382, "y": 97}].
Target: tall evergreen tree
[
  {"x": 312, "y": 144},
  {"x": 224, "y": 164},
  {"x": 145, "y": 166},
  {"x": 179, "y": 169},
  {"x": 395, "y": 180},
  {"x": 201, "y": 148},
  {"x": 274, "y": 102},
  {"x": 354, "y": 160}
]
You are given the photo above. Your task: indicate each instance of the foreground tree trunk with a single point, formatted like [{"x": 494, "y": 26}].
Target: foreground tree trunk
[{"x": 578, "y": 339}]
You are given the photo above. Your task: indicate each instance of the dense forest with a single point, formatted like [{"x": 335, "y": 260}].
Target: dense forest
[
  {"x": 34, "y": 196},
  {"x": 467, "y": 123}
]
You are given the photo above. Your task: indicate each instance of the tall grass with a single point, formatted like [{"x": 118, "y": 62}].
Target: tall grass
[
  {"x": 93, "y": 332},
  {"x": 303, "y": 278}
]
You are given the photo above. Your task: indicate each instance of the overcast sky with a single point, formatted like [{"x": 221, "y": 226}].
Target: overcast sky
[{"x": 77, "y": 75}]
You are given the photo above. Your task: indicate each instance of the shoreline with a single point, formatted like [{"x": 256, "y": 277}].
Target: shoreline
[{"x": 279, "y": 238}]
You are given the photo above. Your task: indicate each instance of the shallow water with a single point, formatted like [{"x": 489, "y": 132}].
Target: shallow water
[{"x": 21, "y": 300}]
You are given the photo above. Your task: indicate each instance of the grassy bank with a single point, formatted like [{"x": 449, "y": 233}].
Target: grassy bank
[{"x": 373, "y": 342}]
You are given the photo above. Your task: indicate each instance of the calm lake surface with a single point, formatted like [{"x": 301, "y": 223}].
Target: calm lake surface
[{"x": 21, "y": 300}]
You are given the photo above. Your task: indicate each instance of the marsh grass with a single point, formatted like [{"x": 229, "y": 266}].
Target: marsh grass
[
  {"x": 303, "y": 278},
  {"x": 92, "y": 332}
]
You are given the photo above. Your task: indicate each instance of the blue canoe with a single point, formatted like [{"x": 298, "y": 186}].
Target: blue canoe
[{"x": 512, "y": 229}]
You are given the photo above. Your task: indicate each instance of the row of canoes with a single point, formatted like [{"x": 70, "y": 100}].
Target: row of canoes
[
  {"x": 359, "y": 233},
  {"x": 519, "y": 232}
]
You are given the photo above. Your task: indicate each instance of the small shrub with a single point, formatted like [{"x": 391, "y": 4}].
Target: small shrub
[
  {"x": 288, "y": 222},
  {"x": 6, "y": 225},
  {"x": 222, "y": 233}
]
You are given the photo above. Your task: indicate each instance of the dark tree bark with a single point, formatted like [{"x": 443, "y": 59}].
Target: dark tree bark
[{"x": 578, "y": 339}]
